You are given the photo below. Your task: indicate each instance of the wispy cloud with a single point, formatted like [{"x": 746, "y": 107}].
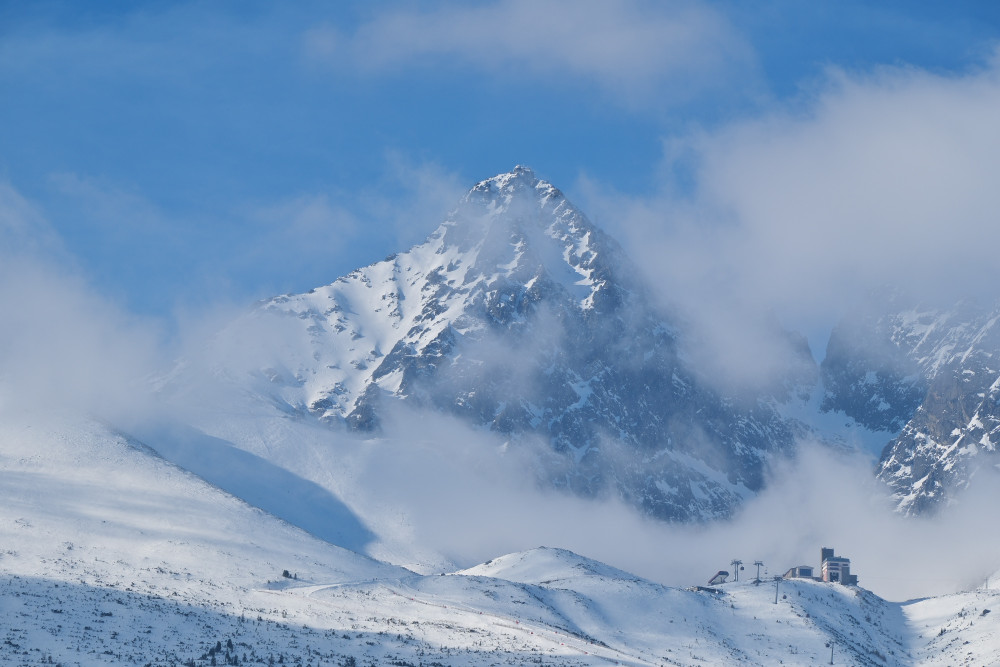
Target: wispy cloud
[
  {"x": 256, "y": 248},
  {"x": 412, "y": 198},
  {"x": 629, "y": 48},
  {"x": 24, "y": 231}
]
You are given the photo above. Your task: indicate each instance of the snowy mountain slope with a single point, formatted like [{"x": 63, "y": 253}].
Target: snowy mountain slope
[
  {"x": 109, "y": 548},
  {"x": 934, "y": 373},
  {"x": 110, "y": 555},
  {"x": 739, "y": 622},
  {"x": 959, "y": 629},
  {"x": 113, "y": 556},
  {"x": 280, "y": 491},
  {"x": 521, "y": 317},
  {"x": 584, "y": 611}
]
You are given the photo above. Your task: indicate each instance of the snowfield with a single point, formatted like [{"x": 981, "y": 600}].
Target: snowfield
[{"x": 109, "y": 554}]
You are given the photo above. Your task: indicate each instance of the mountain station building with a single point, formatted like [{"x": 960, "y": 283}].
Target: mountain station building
[
  {"x": 799, "y": 572},
  {"x": 832, "y": 568}
]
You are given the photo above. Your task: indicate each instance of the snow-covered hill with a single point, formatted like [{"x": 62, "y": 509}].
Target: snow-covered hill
[{"x": 111, "y": 555}]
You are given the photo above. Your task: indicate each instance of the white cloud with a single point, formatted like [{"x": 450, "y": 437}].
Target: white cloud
[
  {"x": 412, "y": 198},
  {"x": 441, "y": 487},
  {"x": 628, "y": 47},
  {"x": 61, "y": 345},
  {"x": 312, "y": 230},
  {"x": 890, "y": 178},
  {"x": 880, "y": 178}
]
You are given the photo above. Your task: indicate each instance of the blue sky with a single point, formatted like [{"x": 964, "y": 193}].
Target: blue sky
[{"x": 178, "y": 155}]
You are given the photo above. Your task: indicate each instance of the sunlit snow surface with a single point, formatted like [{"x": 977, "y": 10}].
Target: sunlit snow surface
[
  {"x": 110, "y": 555},
  {"x": 329, "y": 345}
]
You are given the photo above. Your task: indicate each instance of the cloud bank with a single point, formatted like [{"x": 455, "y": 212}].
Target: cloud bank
[
  {"x": 433, "y": 485},
  {"x": 872, "y": 179}
]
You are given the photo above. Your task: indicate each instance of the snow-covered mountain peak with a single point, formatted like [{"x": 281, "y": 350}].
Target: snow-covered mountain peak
[
  {"x": 519, "y": 179},
  {"x": 518, "y": 316},
  {"x": 517, "y": 227},
  {"x": 517, "y": 192},
  {"x": 513, "y": 245},
  {"x": 512, "y": 194}
]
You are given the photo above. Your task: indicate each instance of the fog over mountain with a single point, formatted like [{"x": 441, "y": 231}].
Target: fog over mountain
[
  {"x": 519, "y": 316},
  {"x": 930, "y": 374},
  {"x": 514, "y": 364}
]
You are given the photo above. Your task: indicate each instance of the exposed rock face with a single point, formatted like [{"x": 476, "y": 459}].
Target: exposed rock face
[
  {"x": 868, "y": 376},
  {"x": 932, "y": 373},
  {"x": 520, "y": 316}
]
